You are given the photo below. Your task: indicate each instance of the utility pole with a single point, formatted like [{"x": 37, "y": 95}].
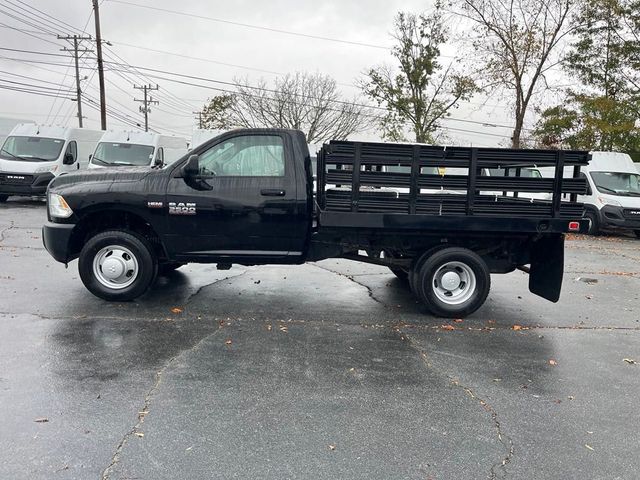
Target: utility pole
[
  {"x": 200, "y": 123},
  {"x": 103, "y": 100},
  {"x": 75, "y": 52},
  {"x": 146, "y": 101}
]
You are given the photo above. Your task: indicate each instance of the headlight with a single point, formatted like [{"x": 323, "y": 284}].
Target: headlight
[
  {"x": 51, "y": 169},
  {"x": 609, "y": 201},
  {"x": 58, "y": 206}
]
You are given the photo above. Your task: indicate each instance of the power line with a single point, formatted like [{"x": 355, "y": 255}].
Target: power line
[
  {"x": 64, "y": 25},
  {"x": 256, "y": 27},
  {"x": 27, "y": 32}
]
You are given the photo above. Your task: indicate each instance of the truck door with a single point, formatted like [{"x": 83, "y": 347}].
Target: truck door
[{"x": 250, "y": 208}]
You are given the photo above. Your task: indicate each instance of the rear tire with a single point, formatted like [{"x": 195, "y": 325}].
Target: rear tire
[
  {"x": 117, "y": 265},
  {"x": 452, "y": 282},
  {"x": 3, "y": 198},
  {"x": 594, "y": 222},
  {"x": 637, "y": 232}
]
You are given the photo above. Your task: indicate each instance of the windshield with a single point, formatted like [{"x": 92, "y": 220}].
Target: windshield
[
  {"x": 31, "y": 149},
  {"x": 617, "y": 183},
  {"x": 109, "y": 153}
]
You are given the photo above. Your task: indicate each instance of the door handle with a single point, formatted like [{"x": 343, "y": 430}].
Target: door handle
[{"x": 272, "y": 192}]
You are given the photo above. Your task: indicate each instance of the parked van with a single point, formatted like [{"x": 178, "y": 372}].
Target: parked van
[
  {"x": 201, "y": 135},
  {"x": 613, "y": 198},
  {"x": 137, "y": 148},
  {"x": 34, "y": 154},
  {"x": 8, "y": 124}
]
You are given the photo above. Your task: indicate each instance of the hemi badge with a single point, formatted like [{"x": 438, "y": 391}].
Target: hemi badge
[{"x": 154, "y": 204}]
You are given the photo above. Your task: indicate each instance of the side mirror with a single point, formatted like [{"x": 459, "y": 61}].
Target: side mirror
[
  {"x": 191, "y": 169},
  {"x": 90, "y": 156},
  {"x": 68, "y": 159},
  {"x": 158, "y": 162}
]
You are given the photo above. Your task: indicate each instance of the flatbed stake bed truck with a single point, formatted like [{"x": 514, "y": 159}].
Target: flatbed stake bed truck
[{"x": 247, "y": 197}]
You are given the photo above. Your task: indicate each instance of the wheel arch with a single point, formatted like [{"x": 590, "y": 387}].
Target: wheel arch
[{"x": 101, "y": 220}]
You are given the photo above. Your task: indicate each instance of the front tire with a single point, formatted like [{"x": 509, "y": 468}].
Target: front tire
[
  {"x": 117, "y": 265},
  {"x": 594, "y": 222},
  {"x": 452, "y": 282}
]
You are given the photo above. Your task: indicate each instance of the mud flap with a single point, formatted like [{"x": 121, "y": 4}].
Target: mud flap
[{"x": 547, "y": 267}]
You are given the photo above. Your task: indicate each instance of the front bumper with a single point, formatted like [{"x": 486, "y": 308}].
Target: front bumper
[
  {"x": 24, "y": 184},
  {"x": 619, "y": 217},
  {"x": 56, "y": 238}
]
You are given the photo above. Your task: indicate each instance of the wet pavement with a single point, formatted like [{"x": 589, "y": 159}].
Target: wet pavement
[{"x": 322, "y": 371}]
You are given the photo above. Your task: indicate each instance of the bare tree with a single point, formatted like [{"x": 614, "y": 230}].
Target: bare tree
[
  {"x": 417, "y": 93},
  {"x": 518, "y": 41},
  {"x": 303, "y": 101}
]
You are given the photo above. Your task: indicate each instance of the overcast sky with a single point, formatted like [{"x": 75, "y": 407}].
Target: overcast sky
[{"x": 230, "y": 50}]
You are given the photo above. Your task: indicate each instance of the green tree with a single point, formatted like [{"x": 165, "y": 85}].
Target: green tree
[
  {"x": 604, "y": 56},
  {"x": 417, "y": 93}
]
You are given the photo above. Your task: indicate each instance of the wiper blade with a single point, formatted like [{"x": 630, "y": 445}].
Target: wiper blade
[
  {"x": 600, "y": 187},
  {"x": 13, "y": 155}
]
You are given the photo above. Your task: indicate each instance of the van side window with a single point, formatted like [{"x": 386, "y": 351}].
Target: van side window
[
  {"x": 72, "y": 149},
  {"x": 245, "y": 156}
]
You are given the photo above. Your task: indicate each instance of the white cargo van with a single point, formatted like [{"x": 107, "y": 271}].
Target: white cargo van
[
  {"x": 613, "y": 197},
  {"x": 32, "y": 155},
  {"x": 138, "y": 149},
  {"x": 8, "y": 124},
  {"x": 201, "y": 135}
]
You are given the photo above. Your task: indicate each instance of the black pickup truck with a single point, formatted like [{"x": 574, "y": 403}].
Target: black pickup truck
[{"x": 247, "y": 197}]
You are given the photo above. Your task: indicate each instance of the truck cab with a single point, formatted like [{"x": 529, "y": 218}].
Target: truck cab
[
  {"x": 137, "y": 149},
  {"x": 32, "y": 155}
]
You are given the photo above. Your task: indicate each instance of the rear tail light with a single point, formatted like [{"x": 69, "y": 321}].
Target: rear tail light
[{"x": 574, "y": 226}]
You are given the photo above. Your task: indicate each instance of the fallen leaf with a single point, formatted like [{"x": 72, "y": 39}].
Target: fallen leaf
[
  {"x": 257, "y": 282},
  {"x": 448, "y": 327},
  {"x": 176, "y": 310},
  {"x": 553, "y": 362},
  {"x": 41, "y": 420},
  {"x": 227, "y": 341},
  {"x": 332, "y": 447},
  {"x": 221, "y": 323},
  {"x": 589, "y": 447},
  {"x": 516, "y": 327},
  {"x": 630, "y": 361},
  {"x": 458, "y": 320},
  {"x": 269, "y": 327},
  {"x": 571, "y": 397},
  {"x": 139, "y": 434},
  {"x": 588, "y": 297}
]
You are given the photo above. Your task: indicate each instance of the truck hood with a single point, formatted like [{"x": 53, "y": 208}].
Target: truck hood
[{"x": 103, "y": 175}]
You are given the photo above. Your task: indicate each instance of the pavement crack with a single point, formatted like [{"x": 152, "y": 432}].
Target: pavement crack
[
  {"x": 4, "y": 230},
  {"x": 498, "y": 468},
  {"x": 199, "y": 290},
  {"x": 148, "y": 399},
  {"x": 350, "y": 277}
]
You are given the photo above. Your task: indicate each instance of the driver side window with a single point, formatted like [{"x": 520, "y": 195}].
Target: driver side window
[{"x": 245, "y": 156}]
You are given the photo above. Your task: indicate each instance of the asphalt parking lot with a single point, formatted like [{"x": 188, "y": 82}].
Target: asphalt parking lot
[{"x": 322, "y": 371}]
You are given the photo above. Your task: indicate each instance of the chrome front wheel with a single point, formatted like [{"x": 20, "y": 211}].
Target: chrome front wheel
[{"x": 115, "y": 267}]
